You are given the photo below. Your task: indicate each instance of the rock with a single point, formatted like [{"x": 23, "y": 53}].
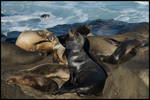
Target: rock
[
  {"x": 3, "y": 37},
  {"x": 11, "y": 40},
  {"x": 3, "y": 15},
  {"x": 13, "y": 34}
]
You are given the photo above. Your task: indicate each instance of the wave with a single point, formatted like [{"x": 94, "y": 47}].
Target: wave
[
  {"x": 142, "y": 2},
  {"x": 133, "y": 15},
  {"x": 68, "y": 12},
  {"x": 33, "y": 21},
  {"x": 17, "y": 18}
]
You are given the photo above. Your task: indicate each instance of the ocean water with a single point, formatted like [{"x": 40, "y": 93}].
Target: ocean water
[{"x": 25, "y": 15}]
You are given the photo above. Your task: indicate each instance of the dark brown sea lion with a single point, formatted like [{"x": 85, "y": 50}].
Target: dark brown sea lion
[
  {"x": 28, "y": 39},
  {"x": 11, "y": 54},
  {"x": 33, "y": 80},
  {"x": 82, "y": 29},
  {"x": 86, "y": 77}
]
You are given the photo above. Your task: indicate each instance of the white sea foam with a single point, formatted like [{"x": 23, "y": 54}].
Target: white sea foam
[
  {"x": 17, "y": 18},
  {"x": 142, "y": 2},
  {"x": 133, "y": 15}
]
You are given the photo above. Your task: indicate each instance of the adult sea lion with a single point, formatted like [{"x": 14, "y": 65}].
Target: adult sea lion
[
  {"x": 86, "y": 77},
  {"x": 11, "y": 54},
  {"x": 27, "y": 39}
]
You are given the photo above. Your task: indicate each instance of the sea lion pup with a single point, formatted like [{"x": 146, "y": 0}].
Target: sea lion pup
[
  {"x": 11, "y": 54},
  {"x": 59, "y": 50},
  {"x": 36, "y": 81},
  {"x": 86, "y": 77},
  {"x": 57, "y": 72},
  {"x": 27, "y": 39},
  {"x": 50, "y": 70}
]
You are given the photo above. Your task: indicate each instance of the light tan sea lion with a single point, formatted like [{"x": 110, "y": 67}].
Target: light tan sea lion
[
  {"x": 27, "y": 39},
  {"x": 46, "y": 47}
]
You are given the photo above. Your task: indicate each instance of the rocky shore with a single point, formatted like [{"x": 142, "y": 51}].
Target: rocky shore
[{"x": 126, "y": 80}]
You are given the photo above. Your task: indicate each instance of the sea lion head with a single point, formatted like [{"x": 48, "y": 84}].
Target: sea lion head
[
  {"x": 75, "y": 40},
  {"x": 84, "y": 30},
  {"x": 44, "y": 33}
]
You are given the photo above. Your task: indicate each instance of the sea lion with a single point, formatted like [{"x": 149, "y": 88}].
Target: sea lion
[
  {"x": 124, "y": 52},
  {"x": 59, "y": 50},
  {"x": 107, "y": 44},
  {"x": 33, "y": 80},
  {"x": 3, "y": 37},
  {"x": 86, "y": 77},
  {"x": 27, "y": 39},
  {"x": 44, "y": 46},
  {"x": 57, "y": 72},
  {"x": 45, "y": 16},
  {"x": 82, "y": 29},
  {"x": 50, "y": 70},
  {"x": 11, "y": 54}
]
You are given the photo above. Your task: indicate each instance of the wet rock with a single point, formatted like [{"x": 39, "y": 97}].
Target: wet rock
[
  {"x": 13, "y": 34},
  {"x": 3, "y": 15},
  {"x": 3, "y": 37}
]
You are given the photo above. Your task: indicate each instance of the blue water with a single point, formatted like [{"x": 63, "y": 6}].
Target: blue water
[{"x": 25, "y": 15}]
